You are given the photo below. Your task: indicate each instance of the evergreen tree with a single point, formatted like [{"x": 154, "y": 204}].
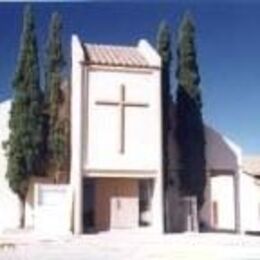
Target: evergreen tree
[
  {"x": 190, "y": 129},
  {"x": 24, "y": 147},
  {"x": 164, "y": 50},
  {"x": 54, "y": 68}
]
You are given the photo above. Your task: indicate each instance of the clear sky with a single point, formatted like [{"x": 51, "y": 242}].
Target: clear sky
[{"x": 228, "y": 45}]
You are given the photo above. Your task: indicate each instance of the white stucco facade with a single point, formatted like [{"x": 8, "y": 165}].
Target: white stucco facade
[
  {"x": 234, "y": 192},
  {"x": 250, "y": 203},
  {"x": 9, "y": 203},
  {"x": 52, "y": 209},
  {"x": 141, "y": 146},
  {"x": 221, "y": 209},
  {"x": 101, "y": 146},
  {"x": 223, "y": 168},
  {"x": 222, "y": 195}
]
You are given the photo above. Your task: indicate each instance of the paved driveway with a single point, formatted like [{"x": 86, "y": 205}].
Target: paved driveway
[{"x": 119, "y": 246}]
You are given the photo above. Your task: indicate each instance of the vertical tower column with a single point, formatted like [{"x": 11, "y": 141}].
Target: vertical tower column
[
  {"x": 157, "y": 206},
  {"x": 76, "y": 132},
  {"x": 157, "y": 201}
]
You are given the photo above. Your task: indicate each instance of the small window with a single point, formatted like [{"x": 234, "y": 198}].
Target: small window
[{"x": 215, "y": 213}]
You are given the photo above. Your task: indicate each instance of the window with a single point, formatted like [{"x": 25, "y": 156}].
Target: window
[{"x": 215, "y": 213}]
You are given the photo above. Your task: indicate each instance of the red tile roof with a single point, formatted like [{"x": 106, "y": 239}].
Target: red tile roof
[{"x": 111, "y": 55}]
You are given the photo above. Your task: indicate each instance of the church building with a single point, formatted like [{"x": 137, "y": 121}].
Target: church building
[
  {"x": 116, "y": 178},
  {"x": 116, "y": 135}
]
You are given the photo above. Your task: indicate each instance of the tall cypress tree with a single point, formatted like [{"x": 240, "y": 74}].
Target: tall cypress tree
[
  {"x": 190, "y": 129},
  {"x": 164, "y": 50},
  {"x": 24, "y": 147},
  {"x": 54, "y": 68}
]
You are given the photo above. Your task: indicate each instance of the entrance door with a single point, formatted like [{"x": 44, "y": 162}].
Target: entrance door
[
  {"x": 116, "y": 203},
  {"x": 124, "y": 204}
]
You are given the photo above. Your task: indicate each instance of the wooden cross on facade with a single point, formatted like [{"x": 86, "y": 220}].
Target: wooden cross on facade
[{"x": 122, "y": 104}]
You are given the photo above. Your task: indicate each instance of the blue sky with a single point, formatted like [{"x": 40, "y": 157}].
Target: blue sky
[{"x": 228, "y": 45}]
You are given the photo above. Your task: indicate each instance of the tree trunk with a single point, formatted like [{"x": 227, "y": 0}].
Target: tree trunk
[{"x": 22, "y": 213}]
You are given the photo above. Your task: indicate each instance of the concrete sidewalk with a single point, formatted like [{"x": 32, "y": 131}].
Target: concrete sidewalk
[{"x": 120, "y": 246}]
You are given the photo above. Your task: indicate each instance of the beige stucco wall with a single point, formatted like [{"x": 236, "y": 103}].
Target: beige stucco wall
[{"x": 9, "y": 203}]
